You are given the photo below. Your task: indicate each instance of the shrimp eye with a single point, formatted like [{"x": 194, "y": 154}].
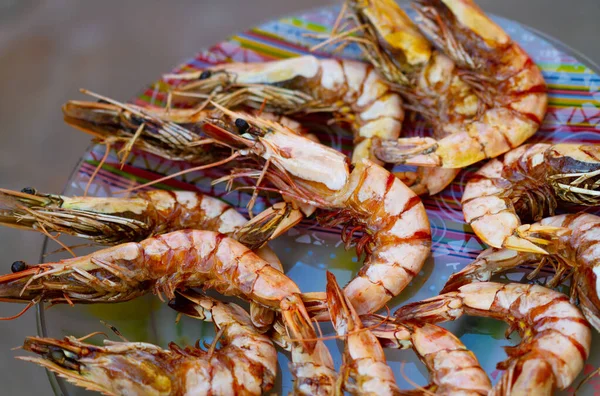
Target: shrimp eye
[
  {"x": 242, "y": 125},
  {"x": 205, "y": 74},
  {"x": 57, "y": 354},
  {"x": 18, "y": 266},
  {"x": 136, "y": 120},
  {"x": 28, "y": 190}
]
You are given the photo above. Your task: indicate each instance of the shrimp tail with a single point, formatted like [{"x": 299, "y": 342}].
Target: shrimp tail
[
  {"x": 188, "y": 302},
  {"x": 417, "y": 151},
  {"x": 533, "y": 375},
  {"x": 488, "y": 263},
  {"x": 269, "y": 224},
  {"x": 345, "y": 320},
  {"x": 343, "y": 316},
  {"x": 298, "y": 322},
  {"x": 589, "y": 300},
  {"x": 433, "y": 310}
]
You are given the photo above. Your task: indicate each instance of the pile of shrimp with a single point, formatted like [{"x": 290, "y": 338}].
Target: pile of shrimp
[{"x": 483, "y": 96}]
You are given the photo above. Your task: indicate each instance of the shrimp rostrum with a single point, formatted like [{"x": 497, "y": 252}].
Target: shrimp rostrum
[
  {"x": 352, "y": 90},
  {"x": 482, "y": 93},
  {"x": 246, "y": 362},
  {"x": 528, "y": 184},
  {"x": 575, "y": 253},
  {"x": 397, "y": 235},
  {"x": 555, "y": 337},
  {"x": 162, "y": 264}
]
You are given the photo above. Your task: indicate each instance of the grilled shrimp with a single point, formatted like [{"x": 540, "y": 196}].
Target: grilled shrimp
[
  {"x": 311, "y": 366},
  {"x": 482, "y": 93},
  {"x": 168, "y": 133},
  {"x": 162, "y": 264},
  {"x": 527, "y": 184},
  {"x": 246, "y": 363},
  {"x": 576, "y": 253},
  {"x": 350, "y": 89},
  {"x": 397, "y": 236},
  {"x": 111, "y": 221},
  {"x": 364, "y": 370},
  {"x": 555, "y": 336},
  {"x": 114, "y": 221},
  {"x": 452, "y": 367}
]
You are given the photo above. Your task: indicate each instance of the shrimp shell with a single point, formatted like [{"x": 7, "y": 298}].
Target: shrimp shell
[{"x": 114, "y": 220}]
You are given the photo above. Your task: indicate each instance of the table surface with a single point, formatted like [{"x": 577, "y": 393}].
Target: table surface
[{"x": 49, "y": 49}]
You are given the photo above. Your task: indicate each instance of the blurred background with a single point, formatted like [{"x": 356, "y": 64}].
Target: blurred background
[{"x": 50, "y": 49}]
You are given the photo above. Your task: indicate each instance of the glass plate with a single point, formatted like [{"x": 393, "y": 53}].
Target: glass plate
[{"x": 309, "y": 250}]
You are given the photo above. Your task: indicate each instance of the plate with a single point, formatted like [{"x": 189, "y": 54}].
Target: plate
[{"x": 309, "y": 250}]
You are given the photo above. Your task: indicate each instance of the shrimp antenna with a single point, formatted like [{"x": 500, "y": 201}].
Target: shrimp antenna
[
  {"x": 98, "y": 167},
  {"x": 115, "y": 102},
  {"x": 343, "y": 36},
  {"x": 62, "y": 249},
  {"x": 586, "y": 379},
  {"x": 412, "y": 383},
  {"x": 183, "y": 172},
  {"x": 27, "y": 307},
  {"x": 95, "y": 333},
  {"x": 114, "y": 330},
  {"x": 383, "y": 320}
]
